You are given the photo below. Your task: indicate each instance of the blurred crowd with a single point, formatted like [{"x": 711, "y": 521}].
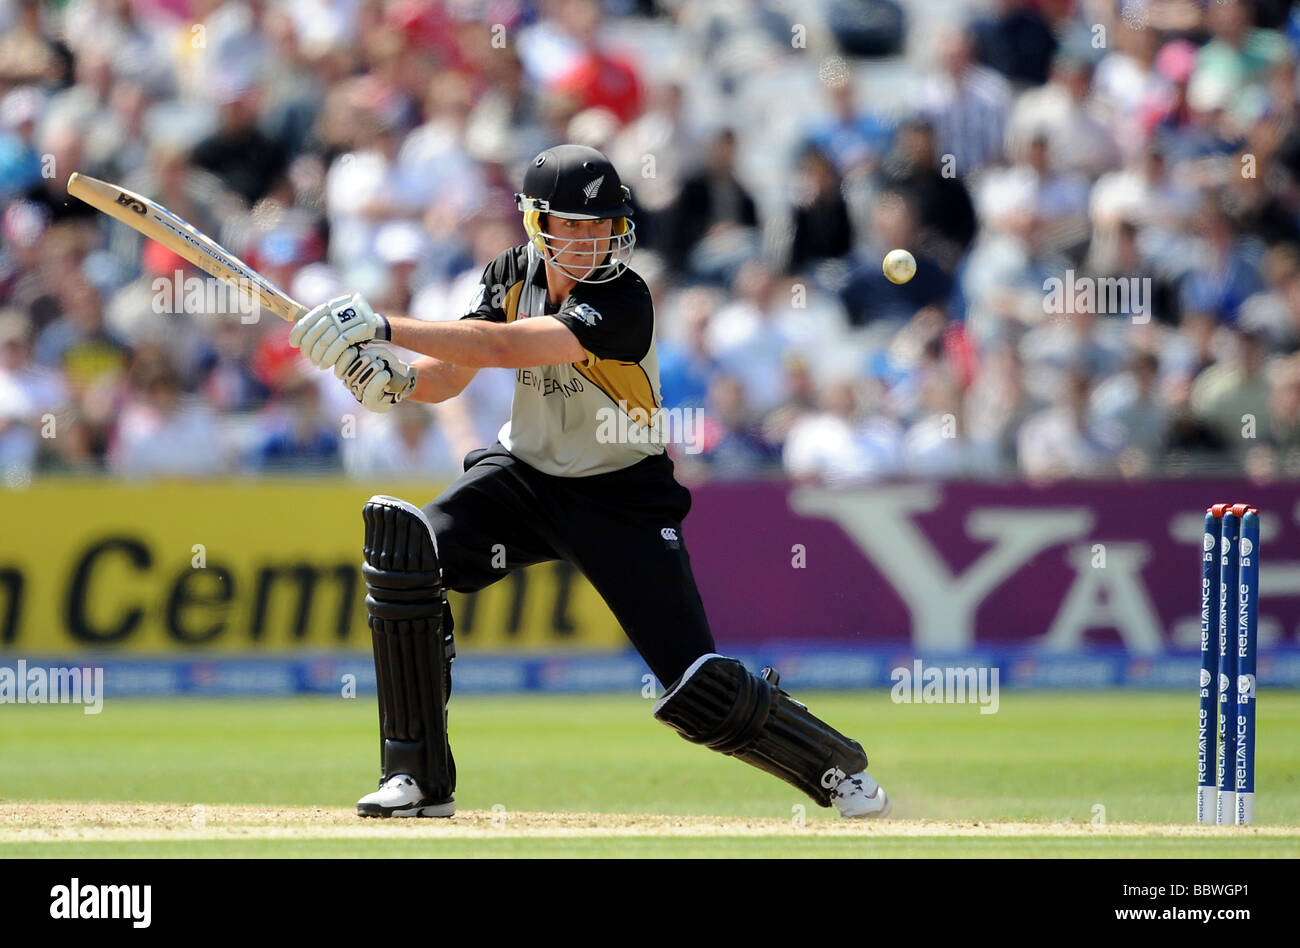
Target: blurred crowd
[{"x": 775, "y": 153}]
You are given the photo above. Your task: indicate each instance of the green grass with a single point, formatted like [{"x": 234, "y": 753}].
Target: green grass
[
  {"x": 1042, "y": 757},
  {"x": 717, "y": 847}
]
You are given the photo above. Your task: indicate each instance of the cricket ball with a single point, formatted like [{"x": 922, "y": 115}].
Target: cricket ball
[{"x": 899, "y": 266}]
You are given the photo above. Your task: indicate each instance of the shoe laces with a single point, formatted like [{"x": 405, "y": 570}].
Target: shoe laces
[{"x": 847, "y": 787}]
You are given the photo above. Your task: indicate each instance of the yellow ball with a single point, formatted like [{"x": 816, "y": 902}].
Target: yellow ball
[{"x": 899, "y": 266}]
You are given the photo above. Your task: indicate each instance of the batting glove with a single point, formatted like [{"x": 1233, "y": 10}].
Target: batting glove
[
  {"x": 324, "y": 333},
  {"x": 376, "y": 380}
]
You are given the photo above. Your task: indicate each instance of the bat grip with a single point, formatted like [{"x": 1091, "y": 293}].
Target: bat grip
[
  {"x": 400, "y": 379},
  {"x": 400, "y": 384}
]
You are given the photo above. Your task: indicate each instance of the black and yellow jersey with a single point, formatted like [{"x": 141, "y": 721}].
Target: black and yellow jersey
[{"x": 589, "y": 417}]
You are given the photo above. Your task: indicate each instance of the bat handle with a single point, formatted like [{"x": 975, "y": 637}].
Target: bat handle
[{"x": 401, "y": 381}]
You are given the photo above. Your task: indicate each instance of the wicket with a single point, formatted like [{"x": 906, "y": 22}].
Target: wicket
[{"x": 1229, "y": 607}]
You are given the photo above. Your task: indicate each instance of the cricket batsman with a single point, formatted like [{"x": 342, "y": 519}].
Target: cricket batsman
[{"x": 577, "y": 324}]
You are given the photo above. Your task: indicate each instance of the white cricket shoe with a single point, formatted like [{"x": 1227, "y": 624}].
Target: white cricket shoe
[
  {"x": 401, "y": 796},
  {"x": 860, "y": 797}
]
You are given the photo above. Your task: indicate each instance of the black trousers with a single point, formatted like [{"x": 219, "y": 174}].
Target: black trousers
[{"x": 622, "y": 530}]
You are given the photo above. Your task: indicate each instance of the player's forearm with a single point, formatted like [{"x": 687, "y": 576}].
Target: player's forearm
[
  {"x": 471, "y": 343},
  {"x": 438, "y": 381}
]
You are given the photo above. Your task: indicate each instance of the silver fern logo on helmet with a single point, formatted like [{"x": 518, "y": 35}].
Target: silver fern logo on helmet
[{"x": 592, "y": 189}]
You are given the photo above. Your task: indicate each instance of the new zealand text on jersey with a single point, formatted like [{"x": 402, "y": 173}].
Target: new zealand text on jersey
[{"x": 548, "y": 386}]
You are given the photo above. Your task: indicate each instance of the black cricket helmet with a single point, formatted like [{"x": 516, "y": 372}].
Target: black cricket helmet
[{"x": 578, "y": 183}]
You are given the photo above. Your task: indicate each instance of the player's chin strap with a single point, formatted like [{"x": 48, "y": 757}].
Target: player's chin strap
[
  {"x": 718, "y": 703},
  {"x": 534, "y": 261},
  {"x": 410, "y": 625}
]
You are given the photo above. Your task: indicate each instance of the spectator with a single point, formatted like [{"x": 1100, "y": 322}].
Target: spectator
[
  {"x": 1222, "y": 274},
  {"x": 1062, "y": 441},
  {"x": 1062, "y": 112},
  {"x": 505, "y": 120},
  {"x": 996, "y": 405},
  {"x": 365, "y": 186},
  {"x": 1129, "y": 413},
  {"x": 27, "y": 55},
  {"x": 296, "y": 85},
  {"x": 867, "y": 295},
  {"x": 1165, "y": 112},
  {"x": 1144, "y": 196},
  {"x": 732, "y": 445},
  {"x": 657, "y": 152},
  {"x": 85, "y": 104},
  {"x": 30, "y": 396},
  {"x": 1126, "y": 79},
  {"x": 1284, "y": 407},
  {"x": 857, "y": 140},
  {"x": 20, "y": 162},
  {"x": 967, "y": 105},
  {"x": 842, "y": 444},
  {"x": 800, "y": 401},
  {"x": 163, "y": 433},
  {"x": 935, "y": 446},
  {"x": 245, "y": 159},
  {"x": 715, "y": 218},
  {"x": 1273, "y": 309},
  {"x": 746, "y": 338},
  {"x": 301, "y": 437},
  {"x": 596, "y": 78},
  {"x": 1060, "y": 197},
  {"x": 230, "y": 384},
  {"x": 61, "y": 152},
  {"x": 915, "y": 356},
  {"x": 686, "y": 366},
  {"x": 945, "y": 214},
  {"x": 140, "y": 50},
  {"x": 34, "y": 258},
  {"x": 156, "y": 307},
  {"x": 77, "y": 343},
  {"x": 406, "y": 442},
  {"x": 434, "y": 166},
  {"x": 821, "y": 218},
  {"x": 1069, "y": 342},
  {"x": 1232, "y": 397},
  {"x": 1017, "y": 42},
  {"x": 1235, "y": 63}
]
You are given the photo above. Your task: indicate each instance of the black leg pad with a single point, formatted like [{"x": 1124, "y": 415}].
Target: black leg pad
[
  {"x": 718, "y": 703},
  {"x": 413, "y": 651}
]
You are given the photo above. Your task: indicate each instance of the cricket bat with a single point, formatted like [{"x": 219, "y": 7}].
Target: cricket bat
[{"x": 157, "y": 223}]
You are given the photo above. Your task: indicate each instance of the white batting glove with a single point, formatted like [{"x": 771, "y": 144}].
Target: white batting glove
[
  {"x": 376, "y": 380},
  {"x": 324, "y": 333}
]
